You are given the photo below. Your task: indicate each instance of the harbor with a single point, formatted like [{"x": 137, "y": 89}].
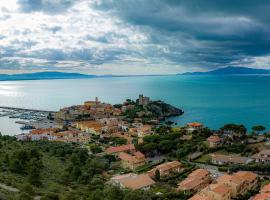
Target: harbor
[{"x": 21, "y": 120}]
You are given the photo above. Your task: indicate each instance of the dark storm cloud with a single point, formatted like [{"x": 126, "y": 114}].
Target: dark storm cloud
[
  {"x": 47, "y": 6},
  {"x": 89, "y": 56},
  {"x": 216, "y": 32}
]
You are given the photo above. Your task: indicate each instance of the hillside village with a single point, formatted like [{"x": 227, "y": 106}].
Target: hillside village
[{"x": 146, "y": 152}]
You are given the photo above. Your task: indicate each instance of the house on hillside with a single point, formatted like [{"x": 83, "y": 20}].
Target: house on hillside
[
  {"x": 132, "y": 160},
  {"x": 166, "y": 169},
  {"x": 133, "y": 181}
]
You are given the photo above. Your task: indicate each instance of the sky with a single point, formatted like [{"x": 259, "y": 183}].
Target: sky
[{"x": 133, "y": 36}]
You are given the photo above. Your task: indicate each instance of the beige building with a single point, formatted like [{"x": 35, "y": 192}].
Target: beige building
[
  {"x": 220, "y": 159},
  {"x": 91, "y": 127},
  {"x": 217, "y": 192},
  {"x": 213, "y": 141},
  {"x": 122, "y": 148},
  {"x": 264, "y": 193},
  {"x": 228, "y": 187},
  {"x": 193, "y": 126},
  {"x": 144, "y": 130},
  {"x": 132, "y": 160},
  {"x": 166, "y": 169},
  {"x": 143, "y": 100},
  {"x": 239, "y": 183},
  {"x": 262, "y": 157},
  {"x": 133, "y": 181},
  {"x": 195, "y": 181},
  {"x": 92, "y": 103}
]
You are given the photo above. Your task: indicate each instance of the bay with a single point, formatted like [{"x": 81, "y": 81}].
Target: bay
[{"x": 212, "y": 100}]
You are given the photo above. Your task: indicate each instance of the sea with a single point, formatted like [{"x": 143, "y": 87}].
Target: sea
[{"x": 211, "y": 100}]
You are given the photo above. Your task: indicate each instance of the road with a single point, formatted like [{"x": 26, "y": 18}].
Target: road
[{"x": 211, "y": 168}]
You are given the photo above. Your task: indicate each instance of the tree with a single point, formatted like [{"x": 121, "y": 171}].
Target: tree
[
  {"x": 23, "y": 196},
  {"x": 165, "y": 146},
  {"x": 50, "y": 196},
  {"x": 34, "y": 171},
  {"x": 137, "y": 194},
  {"x": 28, "y": 189},
  {"x": 113, "y": 192},
  {"x": 258, "y": 128},
  {"x": 157, "y": 175},
  {"x": 96, "y": 195},
  {"x": 150, "y": 148},
  {"x": 76, "y": 172},
  {"x": 237, "y": 131},
  {"x": 95, "y": 148}
]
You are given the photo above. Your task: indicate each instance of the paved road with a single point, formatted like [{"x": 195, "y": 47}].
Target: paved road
[{"x": 211, "y": 168}]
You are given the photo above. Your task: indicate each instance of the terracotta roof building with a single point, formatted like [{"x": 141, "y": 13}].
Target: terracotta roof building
[
  {"x": 239, "y": 183},
  {"x": 195, "y": 181},
  {"x": 213, "y": 141},
  {"x": 43, "y": 134},
  {"x": 118, "y": 149},
  {"x": 200, "y": 197},
  {"x": 263, "y": 196},
  {"x": 92, "y": 127},
  {"x": 265, "y": 189},
  {"x": 193, "y": 126},
  {"x": 228, "y": 186},
  {"x": 167, "y": 168},
  {"x": 133, "y": 181},
  {"x": 133, "y": 160},
  {"x": 264, "y": 193},
  {"x": 217, "y": 192},
  {"x": 220, "y": 159}
]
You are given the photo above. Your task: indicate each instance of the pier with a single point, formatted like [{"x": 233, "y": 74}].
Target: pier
[{"x": 25, "y": 109}]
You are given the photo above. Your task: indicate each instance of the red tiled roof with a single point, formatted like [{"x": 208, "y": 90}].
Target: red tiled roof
[
  {"x": 263, "y": 196},
  {"x": 200, "y": 197},
  {"x": 266, "y": 189},
  {"x": 194, "y": 124},
  {"x": 117, "y": 149},
  {"x": 41, "y": 131},
  {"x": 165, "y": 166},
  {"x": 134, "y": 181},
  {"x": 199, "y": 173},
  {"x": 214, "y": 139},
  {"x": 136, "y": 158},
  {"x": 221, "y": 189}
]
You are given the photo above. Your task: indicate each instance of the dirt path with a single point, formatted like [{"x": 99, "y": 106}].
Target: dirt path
[{"x": 6, "y": 187}]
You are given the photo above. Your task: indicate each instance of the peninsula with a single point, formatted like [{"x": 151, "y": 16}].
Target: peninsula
[{"x": 97, "y": 151}]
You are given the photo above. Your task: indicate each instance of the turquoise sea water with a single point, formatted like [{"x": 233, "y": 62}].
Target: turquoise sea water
[{"x": 212, "y": 100}]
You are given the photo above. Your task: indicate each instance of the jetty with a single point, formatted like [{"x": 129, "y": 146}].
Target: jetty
[{"x": 26, "y": 109}]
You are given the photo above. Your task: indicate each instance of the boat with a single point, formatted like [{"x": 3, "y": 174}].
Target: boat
[{"x": 27, "y": 127}]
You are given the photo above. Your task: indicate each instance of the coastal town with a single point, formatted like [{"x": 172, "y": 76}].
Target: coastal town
[{"x": 148, "y": 152}]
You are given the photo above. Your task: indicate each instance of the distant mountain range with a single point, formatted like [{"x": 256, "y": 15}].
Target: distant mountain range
[
  {"x": 56, "y": 75},
  {"x": 43, "y": 76},
  {"x": 231, "y": 71},
  {"x": 62, "y": 75}
]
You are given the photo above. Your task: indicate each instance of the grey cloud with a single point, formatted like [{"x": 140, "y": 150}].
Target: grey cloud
[
  {"x": 2, "y": 37},
  {"x": 54, "y": 29}
]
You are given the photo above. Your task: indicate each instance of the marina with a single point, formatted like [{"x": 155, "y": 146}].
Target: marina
[{"x": 21, "y": 120}]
